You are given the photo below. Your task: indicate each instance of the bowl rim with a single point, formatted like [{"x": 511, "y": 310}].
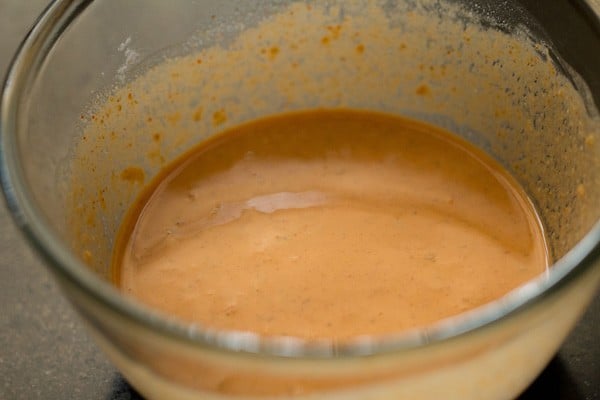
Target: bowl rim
[{"x": 38, "y": 231}]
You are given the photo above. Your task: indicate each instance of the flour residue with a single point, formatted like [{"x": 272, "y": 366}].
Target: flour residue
[{"x": 429, "y": 59}]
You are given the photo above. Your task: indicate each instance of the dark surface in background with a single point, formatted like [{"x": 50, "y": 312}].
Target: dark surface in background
[
  {"x": 46, "y": 354},
  {"x": 575, "y": 373},
  {"x": 568, "y": 30}
]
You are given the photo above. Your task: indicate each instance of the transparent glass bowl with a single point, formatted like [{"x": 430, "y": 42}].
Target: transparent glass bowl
[{"x": 83, "y": 60}]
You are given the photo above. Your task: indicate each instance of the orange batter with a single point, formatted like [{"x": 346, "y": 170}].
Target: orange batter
[{"x": 329, "y": 224}]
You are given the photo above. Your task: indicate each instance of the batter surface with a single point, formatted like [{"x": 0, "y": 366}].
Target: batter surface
[{"x": 329, "y": 224}]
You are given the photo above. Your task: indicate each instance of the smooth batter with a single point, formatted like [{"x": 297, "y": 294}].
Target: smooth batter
[{"x": 329, "y": 224}]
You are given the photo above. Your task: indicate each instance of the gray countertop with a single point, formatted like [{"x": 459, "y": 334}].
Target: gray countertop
[{"x": 46, "y": 354}]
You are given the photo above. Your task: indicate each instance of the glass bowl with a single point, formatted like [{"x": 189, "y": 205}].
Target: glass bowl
[{"x": 94, "y": 82}]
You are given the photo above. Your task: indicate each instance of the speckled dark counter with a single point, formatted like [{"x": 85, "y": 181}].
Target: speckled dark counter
[{"x": 46, "y": 354}]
